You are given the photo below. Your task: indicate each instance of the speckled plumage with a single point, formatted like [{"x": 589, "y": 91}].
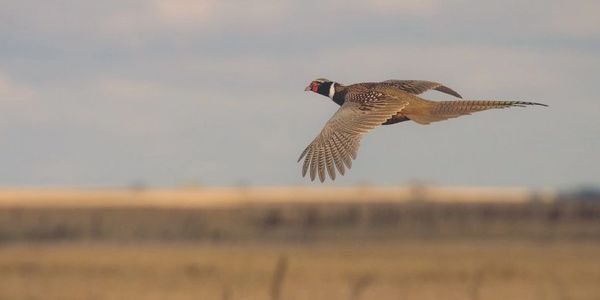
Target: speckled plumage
[{"x": 364, "y": 106}]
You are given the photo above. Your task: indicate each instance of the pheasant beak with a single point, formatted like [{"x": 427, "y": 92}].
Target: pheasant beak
[{"x": 308, "y": 88}]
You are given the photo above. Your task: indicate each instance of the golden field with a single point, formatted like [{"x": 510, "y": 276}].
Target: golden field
[
  {"x": 298, "y": 243},
  {"x": 408, "y": 270}
]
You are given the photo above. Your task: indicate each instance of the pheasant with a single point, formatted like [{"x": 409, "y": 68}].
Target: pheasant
[{"x": 364, "y": 106}]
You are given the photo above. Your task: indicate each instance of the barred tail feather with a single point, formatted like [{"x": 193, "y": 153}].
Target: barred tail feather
[{"x": 443, "y": 110}]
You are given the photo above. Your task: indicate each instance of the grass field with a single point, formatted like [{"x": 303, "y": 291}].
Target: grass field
[
  {"x": 409, "y": 270},
  {"x": 278, "y": 244}
]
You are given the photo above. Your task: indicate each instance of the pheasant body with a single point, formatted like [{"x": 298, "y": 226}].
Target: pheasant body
[{"x": 364, "y": 106}]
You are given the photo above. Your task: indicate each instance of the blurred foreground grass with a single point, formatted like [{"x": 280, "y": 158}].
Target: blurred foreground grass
[{"x": 347, "y": 270}]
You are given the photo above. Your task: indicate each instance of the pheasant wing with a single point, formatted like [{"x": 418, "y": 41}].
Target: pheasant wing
[
  {"x": 419, "y": 86},
  {"x": 337, "y": 144}
]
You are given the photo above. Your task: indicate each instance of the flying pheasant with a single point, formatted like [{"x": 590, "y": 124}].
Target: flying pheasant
[{"x": 364, "y": 106}]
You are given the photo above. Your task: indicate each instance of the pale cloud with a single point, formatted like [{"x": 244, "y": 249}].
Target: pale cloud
[
  {"x": 127, "y": 89},
  {"x": 404, "y": 7},
  {"x": 133, "y": 22},
  {"x": 253, "y": 13},
  {"x": 212, "y": 11},
  {"x": 20, "y": 104},
  {"x": 192, "y": 14},
  {"x": 10, "y": 91},
  {"x": 580, "y": 19},
  {"x": 185, "y": 11},
  {"x": 134, "y": 25}
]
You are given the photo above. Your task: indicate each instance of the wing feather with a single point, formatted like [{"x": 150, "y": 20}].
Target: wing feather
[
  {"x": 313, "y": 163},
  {"x": 321, "y": 165},
  {"x": 345, "y": 153},
  {"x": 420, "y": 86},
  {"x": 338, "y": 142},
  {"x": 306, "y": 164},
  {"x": 329, "y": 156},
  {"x": 337, "y": 152}
]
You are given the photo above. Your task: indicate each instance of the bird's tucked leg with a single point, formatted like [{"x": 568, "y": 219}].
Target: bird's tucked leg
[{"x": 397, "y": 118}]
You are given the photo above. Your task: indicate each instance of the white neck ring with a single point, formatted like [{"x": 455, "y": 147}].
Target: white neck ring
[{"x": 332, "y": 90}]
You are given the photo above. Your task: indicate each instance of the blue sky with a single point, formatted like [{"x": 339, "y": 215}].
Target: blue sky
[{"x": 110, "y": 93}]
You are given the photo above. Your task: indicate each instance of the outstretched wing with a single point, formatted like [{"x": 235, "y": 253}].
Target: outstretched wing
[
  {"x": 419, "y": 86},
  {"x": 337, "y": 144}
]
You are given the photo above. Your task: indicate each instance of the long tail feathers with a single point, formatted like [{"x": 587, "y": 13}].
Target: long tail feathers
[{"x": 451, "y": 109}]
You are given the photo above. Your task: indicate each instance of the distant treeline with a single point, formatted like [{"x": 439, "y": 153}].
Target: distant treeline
[{"x": 536, "y": 220}]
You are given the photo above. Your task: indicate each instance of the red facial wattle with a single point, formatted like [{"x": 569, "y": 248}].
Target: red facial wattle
[{"x": 314, "y": 86}]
